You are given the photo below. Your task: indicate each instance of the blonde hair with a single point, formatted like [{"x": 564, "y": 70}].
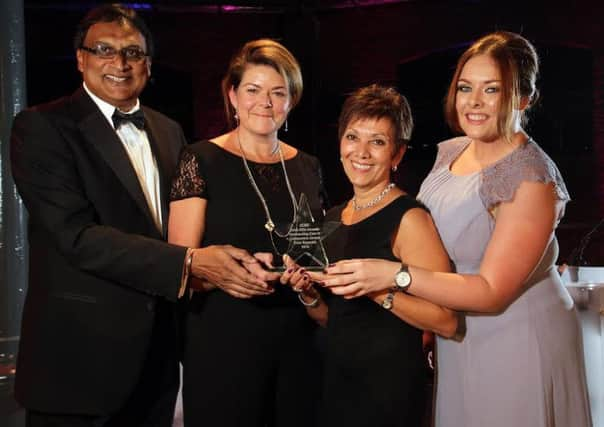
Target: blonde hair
[{"x": 262, "y": 52}]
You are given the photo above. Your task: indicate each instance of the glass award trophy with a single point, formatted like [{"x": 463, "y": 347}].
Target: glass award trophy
[{"x": 304, "y": 237}]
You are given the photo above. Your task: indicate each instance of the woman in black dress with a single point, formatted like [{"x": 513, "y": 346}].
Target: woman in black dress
[
  {"x": 249, "y": 358},
  {"x": 374, "y": 370}
]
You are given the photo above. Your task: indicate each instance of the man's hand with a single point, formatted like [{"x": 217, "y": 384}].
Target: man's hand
[
  {"x": 261, "y": 267},
  {"x": 222, "y": 266}
]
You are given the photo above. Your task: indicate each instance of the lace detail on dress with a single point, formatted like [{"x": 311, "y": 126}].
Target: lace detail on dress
[
  {"x": 527, "y": 163},
  {"x": 448, "y": 151},
  {"x": 271, "y": 173},
  {"x": 188, "y": 181}
]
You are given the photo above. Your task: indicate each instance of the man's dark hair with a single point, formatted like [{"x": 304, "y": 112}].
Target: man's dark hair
[{"x": 113, "y": 13}]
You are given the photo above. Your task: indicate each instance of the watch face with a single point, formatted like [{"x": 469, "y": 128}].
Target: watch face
[
  {"x": 402, "y": 279},
  {"x": 387, "y": 303}
]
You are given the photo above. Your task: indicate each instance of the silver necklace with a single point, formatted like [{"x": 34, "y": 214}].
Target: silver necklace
[
  {"x": 269, "y": 224},
  {"x": 374, "y": 201}
]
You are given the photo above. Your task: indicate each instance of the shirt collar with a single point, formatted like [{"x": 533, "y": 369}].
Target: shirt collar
[{"x": 106, "y": 108}]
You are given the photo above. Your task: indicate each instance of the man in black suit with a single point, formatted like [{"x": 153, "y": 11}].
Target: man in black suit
[{"x": 99, "y": 343}]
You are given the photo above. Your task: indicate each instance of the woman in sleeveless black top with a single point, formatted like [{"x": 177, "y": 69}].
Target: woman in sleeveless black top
[
  {"x": 374, "y": 368},
  {"x": 375, "y": 362}
]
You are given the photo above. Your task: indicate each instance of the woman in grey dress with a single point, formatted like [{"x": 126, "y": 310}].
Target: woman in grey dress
[{"x": 496, "y": 199}]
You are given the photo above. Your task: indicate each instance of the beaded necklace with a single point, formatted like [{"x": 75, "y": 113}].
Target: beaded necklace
[{"x": 373, "y": 202}]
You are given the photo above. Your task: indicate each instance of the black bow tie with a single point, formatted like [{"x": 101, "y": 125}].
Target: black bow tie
[{"x": 137, "y": 118}]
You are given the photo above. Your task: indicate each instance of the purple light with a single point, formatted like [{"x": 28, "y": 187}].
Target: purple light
[
  {"x": 139, "y": 6},
  {"x": 232, "y": 8},
  {"x": 363, "y": 3}
]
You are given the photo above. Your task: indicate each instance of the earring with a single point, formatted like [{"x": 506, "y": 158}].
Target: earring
[
  {"x": 341, "y": 159},
  {"x": 394, "y": 168},
  {"x": 236, "y": 117},
  {"x": 285, "y": 128}
]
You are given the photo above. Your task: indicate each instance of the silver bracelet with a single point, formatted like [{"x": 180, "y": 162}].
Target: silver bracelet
[{"x": 313, "y": 304}]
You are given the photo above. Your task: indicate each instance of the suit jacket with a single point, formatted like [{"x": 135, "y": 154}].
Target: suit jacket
[{"x": 98, "y": 265}]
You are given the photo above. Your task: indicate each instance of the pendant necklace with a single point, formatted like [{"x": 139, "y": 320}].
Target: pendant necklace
[
  {"x": 373, "y": 202},
  {"x": 270, "y": 225}
]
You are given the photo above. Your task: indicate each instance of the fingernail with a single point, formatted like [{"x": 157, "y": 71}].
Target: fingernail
[
  {"x": 302, "y": 271},
  {"x": 290, "y": 270}
]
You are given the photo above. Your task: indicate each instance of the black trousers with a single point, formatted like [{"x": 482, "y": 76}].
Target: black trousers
[{"x": 152, "y": 402}]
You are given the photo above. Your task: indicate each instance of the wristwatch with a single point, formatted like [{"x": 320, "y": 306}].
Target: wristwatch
[
  {"x": 402, "y": 279},
  {"x": 387, "y": 303}
]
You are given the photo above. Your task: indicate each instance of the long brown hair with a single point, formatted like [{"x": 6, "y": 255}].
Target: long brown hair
[{"x": 518, "y": 64}]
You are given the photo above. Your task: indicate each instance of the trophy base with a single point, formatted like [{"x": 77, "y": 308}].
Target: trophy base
[{"x": 282, "y": 268}]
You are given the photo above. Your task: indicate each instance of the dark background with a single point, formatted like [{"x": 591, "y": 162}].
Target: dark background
[{"x": 342, "y": 45}]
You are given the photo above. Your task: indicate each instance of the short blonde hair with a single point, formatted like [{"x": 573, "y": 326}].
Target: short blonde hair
[
  {"x": 518, "y": 64},
  {"x": 262, "y": 52}
]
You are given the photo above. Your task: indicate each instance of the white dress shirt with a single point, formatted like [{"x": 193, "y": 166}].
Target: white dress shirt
[{"x": 137, "y": 146}]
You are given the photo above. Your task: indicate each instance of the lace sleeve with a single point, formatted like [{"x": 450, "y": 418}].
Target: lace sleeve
[
  {"x": 528, "y": 163},
  {"x": 448, "y": 151},
  {"x": 188, "y": 181}
]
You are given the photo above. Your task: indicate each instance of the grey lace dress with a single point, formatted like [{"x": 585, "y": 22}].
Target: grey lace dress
[{"x": 523, "y": 367}]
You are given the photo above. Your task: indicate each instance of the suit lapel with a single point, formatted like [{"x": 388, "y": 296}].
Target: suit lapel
[
  {"x": 156, "y": 134},
  {"x": 99, "y": 133}
]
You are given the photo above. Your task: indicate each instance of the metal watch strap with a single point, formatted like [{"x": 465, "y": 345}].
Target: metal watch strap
[{"x": 387, "y": 303}]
